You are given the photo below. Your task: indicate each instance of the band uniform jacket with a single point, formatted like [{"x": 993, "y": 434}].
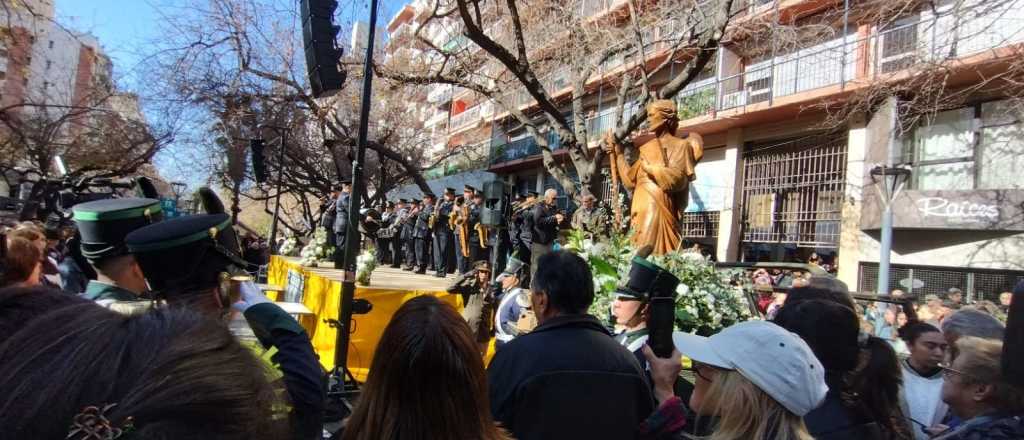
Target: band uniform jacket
[
  {"x": 545, "y": 225},
  {"x": 404, "y": 225},
  {"x": 341, "y": 213},
  {"x": 330, "y": 215},
  {"x": 444, "y": 212},
  {"x": 474, "y": 219},
  {"x": 386, "y": 221},
  {"x": 423, "y": 223}
]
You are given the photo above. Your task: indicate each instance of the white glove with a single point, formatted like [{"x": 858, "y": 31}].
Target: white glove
[{"x": 250, "y": 295}]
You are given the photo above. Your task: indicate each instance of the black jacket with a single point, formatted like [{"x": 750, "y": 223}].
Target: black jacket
[
  {"x": 545, "y": 225},
  {"x": 474, "y": 219},
  {"x": 422, "y": 228},
  {"x": 568, "y": 378},
  {"x": 991, "y": 427},
  {"x": 341, "y": 213},
  {"x": 303, "y": 376}
]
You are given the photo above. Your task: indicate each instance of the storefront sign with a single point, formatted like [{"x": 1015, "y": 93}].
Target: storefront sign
[{"x": 995, "y": 210}]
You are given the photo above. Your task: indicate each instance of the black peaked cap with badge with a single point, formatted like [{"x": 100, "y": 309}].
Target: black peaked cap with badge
[
  {"x": 186, "y": 254},
  {"x": 104, "y": 224}
]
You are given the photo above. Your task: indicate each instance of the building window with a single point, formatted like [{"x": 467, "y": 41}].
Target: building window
[
  {"x": 51, "y": 44},
  {"x": 49, "y": 64},
  {"x": 975, "y": 147}
]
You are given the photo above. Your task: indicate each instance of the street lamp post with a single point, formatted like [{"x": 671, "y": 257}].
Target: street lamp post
[
  {"x": 889, "y": 181},
  {"x": 178, "y": 188}
]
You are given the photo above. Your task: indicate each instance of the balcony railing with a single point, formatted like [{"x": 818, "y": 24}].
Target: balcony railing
[
  {"x": 520, "y": 148},
  {"x": 835, "y": 62},
  {"x": 466, "y": 118}
]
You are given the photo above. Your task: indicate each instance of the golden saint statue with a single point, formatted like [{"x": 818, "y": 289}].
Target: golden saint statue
[{"x": 659, "y": 179}]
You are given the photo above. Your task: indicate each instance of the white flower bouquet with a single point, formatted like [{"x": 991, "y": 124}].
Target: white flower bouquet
[
  {"x": 706, "y": 302},
  {"x": 365, "y": 264},
  {"x": 317, "y": 249}
]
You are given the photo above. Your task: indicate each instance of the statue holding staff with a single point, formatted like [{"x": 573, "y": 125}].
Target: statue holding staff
[{"x": 659, "y": 179}]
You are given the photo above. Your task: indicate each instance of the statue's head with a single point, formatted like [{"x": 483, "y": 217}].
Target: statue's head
[{"x": 661, "y": 115}]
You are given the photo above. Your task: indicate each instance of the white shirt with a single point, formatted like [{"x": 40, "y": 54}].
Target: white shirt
[{"x": 922, "y": 397}]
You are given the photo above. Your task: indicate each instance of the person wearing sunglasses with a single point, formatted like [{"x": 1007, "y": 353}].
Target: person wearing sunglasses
[
  {"x": 755, "y": 377},
  {"x": 978, "y": 393}
]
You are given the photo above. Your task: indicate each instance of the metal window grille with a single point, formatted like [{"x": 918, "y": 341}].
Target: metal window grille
[
  {"x": 793, "y": 192},
  {"x": 977, "y": 284},
  {"x": 701, "y": 224}
]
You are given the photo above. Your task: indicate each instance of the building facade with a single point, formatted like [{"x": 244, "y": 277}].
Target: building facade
[{"x": 786, "y": 171}]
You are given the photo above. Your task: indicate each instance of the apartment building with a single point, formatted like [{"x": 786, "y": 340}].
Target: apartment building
[
  {"x": 784, "y": 176},
  {"x": 44, "y": 63}
]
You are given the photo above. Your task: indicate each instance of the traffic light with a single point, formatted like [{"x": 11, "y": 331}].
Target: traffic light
[
  {"x": 319, "y": 36},
  {"x": 259, "y": 166}
]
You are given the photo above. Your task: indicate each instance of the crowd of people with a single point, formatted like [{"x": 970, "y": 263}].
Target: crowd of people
[{"x": 143, "y": 349}]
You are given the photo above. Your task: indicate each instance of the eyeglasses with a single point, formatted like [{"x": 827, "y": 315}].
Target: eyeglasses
[
  {"x": 696, "y": 368},
  {"x": 948, "y": 371}
]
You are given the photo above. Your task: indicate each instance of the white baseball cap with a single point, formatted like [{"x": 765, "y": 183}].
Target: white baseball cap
[{"x": 772, "y": 358}]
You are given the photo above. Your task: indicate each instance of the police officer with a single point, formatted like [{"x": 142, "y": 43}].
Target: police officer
[
  {"x": 421, "y": 234},
  {"x": 103, "y": 225},
  {"x": 188, "y": 261},
  {"x": 341, "y": 217},
  {"x": 444, "y": 244},
  {"x": 409, "y": 235},
  {"x": 513, "y": 303}
]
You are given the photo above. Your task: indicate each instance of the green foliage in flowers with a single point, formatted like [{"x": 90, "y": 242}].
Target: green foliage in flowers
[
  {"x": 705, "y": 303},
  {"x": 365, "y": 264}
]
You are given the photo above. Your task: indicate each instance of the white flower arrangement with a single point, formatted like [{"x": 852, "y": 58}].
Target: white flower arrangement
[
  {"x": 290, "y": 245},
  {"x": 317, "y": 249},
  {"x": 365, "y": 264},
  {"x": 706, "y": 302}
]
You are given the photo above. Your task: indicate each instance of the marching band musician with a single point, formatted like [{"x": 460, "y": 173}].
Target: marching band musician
[
  {"x": 384, "y": 235},
  {"x": 421, "y": 234},
  {"x": 523, "y": 220},
  {"x": 463, "y": 255},
  {"x": 444, "y": 240},
  {"x": 401, "y": 211},
  {"x": 478, "y": 250},
  {"x": 408, "y": 228}
]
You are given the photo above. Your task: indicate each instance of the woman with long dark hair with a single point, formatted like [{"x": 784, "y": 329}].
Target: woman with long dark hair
[
  {"x": 83, "y": 372},
  {"x": 426, "y": 382}
]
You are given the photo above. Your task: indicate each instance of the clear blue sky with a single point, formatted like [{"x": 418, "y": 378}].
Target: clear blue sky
[{"x": 124, "y": 27}]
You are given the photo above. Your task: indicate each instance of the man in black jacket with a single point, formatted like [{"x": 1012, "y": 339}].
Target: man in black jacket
[
  {"x": 341, "y": 217},
  {"x": 543, "y": 385},
  {"x": 421, "y": 233},
  {"x": 545, "y": 228}
]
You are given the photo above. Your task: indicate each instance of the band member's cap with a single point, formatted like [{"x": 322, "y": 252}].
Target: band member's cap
[
  {"x": 469, "y": 188},
  {"x": 403, "y": 200},
  {"x": 482, "y": 266},
  {"x": 390, "y": 204},
  {"x": 416, "y": 201},
  {"x": 478, "y": 194},
  {"x": 346, "y": 180},
  {"x": 428, "y": 196},
  {"x": 104, "y": 224},
  {"x": 532, "y": 193},
  {"x": 186, "y": 253},
  {"x": 449, "y": 190}
]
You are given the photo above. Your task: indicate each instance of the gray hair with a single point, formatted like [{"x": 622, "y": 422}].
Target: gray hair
[
  {"x": 971, "y": 322},
  {"x": 551, "y": 192}
]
